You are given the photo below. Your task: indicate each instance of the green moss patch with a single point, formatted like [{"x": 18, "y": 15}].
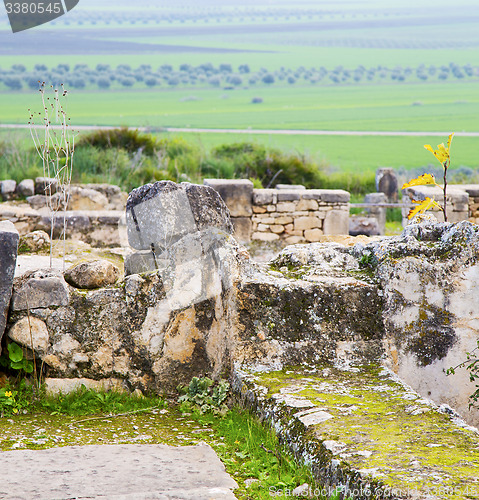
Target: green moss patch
[{"x": 375, "y": 425}]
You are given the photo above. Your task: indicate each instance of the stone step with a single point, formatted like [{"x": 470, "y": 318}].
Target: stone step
[{"x": 367, "y": 432}]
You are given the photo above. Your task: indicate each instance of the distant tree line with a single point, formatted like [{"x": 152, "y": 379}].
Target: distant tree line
[{"x": 104, "y": 76}]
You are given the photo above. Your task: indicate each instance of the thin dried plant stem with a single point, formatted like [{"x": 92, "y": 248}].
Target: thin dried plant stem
[{"x": 56, "y": 150}]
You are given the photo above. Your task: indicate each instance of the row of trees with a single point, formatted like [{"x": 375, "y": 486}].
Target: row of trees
[{"x": 224, "y": 75}]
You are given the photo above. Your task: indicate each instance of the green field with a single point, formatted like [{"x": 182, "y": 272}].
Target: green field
[{"x": 254, "y": 33}]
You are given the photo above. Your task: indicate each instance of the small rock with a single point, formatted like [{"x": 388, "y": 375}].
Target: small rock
[
  {"x": 26, "y": 188},
  {"x": 28, "y": 331},
  {"x": 93, "y": 274},
  {"x": 7, "y": 189},
  {"x": 37, "y": 201},
  {"x": 34, "y": 241}
]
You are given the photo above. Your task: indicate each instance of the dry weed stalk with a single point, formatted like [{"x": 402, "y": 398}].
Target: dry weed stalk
[{"x": 54, "y": 142}]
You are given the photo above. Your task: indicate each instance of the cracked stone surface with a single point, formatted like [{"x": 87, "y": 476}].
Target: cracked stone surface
[{"x": 120, "y": 471}]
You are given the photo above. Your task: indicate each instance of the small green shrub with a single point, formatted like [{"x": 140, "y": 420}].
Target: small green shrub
[
  {"x": 205, "y": 395},
  {"x": 120, "y": 138}
]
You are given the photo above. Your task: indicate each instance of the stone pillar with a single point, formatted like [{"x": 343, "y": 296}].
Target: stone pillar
[
  {"x": 379, "y": 213},
  {"x": 387, "y": 183},
  {"x": 238, "y": 196},
  {"x": 8, "y": 258}
]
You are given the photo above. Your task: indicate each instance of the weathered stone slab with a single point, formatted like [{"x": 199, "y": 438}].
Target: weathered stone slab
[
  {"x": 336, "y": 222},
  {"x": 264, "y": 196},
  {"x": 236, "y": 193},
  {"x": 159, "y": 214},
  {"x": 288, "y": 194},
  {"x": 290, "y": 186},
  {"x": 242, "y": 229},
  {"x": 120, "y": 471},
  {"x": 39, "y": 289},
  {"x": 8, "y": 256},
  {"x": 364, "y": 431}
]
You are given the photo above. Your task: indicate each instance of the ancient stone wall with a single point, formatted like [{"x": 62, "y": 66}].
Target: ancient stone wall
[{"x": 290, "y": 214}]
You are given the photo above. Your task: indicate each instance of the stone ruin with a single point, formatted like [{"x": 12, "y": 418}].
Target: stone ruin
[{"x": 192, "y": 302}]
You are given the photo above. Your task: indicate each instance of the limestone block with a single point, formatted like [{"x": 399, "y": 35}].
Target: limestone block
[
  {"x": 291, "y": 232},
  {"x": 37, "y": 201},
  {"x": 271, "y": 208},
  {"x": 264, "y": 196},
  {"x": 282, "y": 219},
  {"x": 39, "y": 289},
  {"x": 313, "y": 235},
  {"x": 236, "y": 193},
  {"x": 8, "y": 258},
  {"x": 75, "y": 222},
  {"x": 293, "y": 240},
  {"x": 307, "y": 205},
  {"x": 7, "y": 189},
  {"x": 264, "y": 220},
  {"x": 258, "y": 210},
  {"x": 286, "y": 206},
  {"x": 67, "y": 385},
  {"x": 303, "y": 223},
  {"x": 140, "y": 262},
  {"x": 161, "y": 213},
  {"x": 45, "y": 185},
  {"x": 265, "y": 236},
  {"x": 290, "y": 186},
  {"x": 288, "y": 194},
  {"x": 92, "y": 274},
  {"x": 242, "y": 229},
  {"x": 336, "y": 222},
  {"x": 26, "y": 188},
  {"x": 262, "y": 227},
  {"x": 335, "y": 196},
  {"x": 86, "y": 199},
  {"x": 28, "y": 330},
  {"x": 277, "y": 228}
]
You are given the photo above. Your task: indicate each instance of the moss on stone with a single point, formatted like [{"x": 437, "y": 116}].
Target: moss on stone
[{"x": 383, "y": 426}]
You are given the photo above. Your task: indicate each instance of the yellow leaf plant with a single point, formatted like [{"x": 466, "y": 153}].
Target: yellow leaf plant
[{"x": 443, "y": 156}]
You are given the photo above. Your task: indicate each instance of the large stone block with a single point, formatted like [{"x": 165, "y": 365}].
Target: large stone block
[
  {"x": 7, "y": 189},
  {"x": 304, "y": 223},
  {"x": 46, "y": 185},
  {"x": 236, "y": 193},
  {"x": 387, "y": 183},
  {"x": 264, "y": 196},
  {"x": 336, "y": 222},
  {"x": 289, "y": 194},
  {"x": 39, "y": 289},
  {"x": 159, "y": 214},
  {"x": 8, "y": 257},
  {"x": 243, "y": 228},
  {"x": 26, "y": 188}
]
